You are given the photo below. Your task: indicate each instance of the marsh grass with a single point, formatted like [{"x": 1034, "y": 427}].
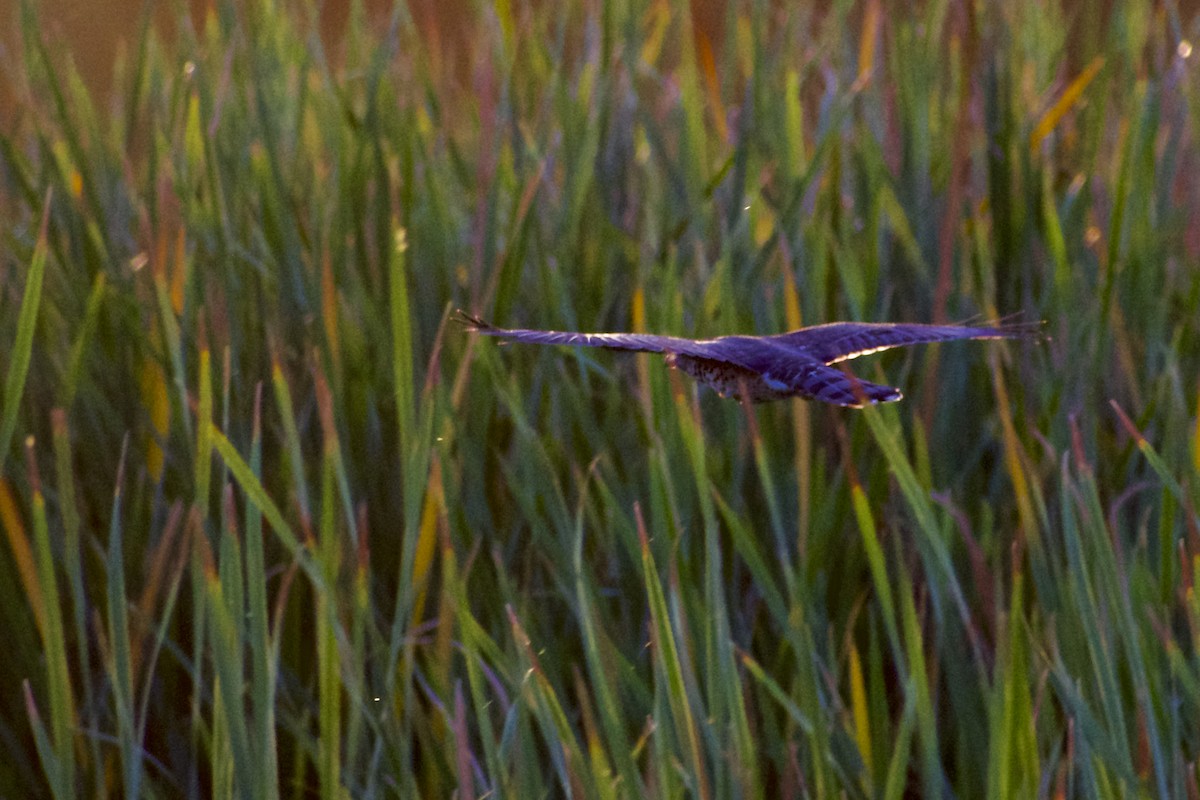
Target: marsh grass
[{"x": 274, "y": 528}]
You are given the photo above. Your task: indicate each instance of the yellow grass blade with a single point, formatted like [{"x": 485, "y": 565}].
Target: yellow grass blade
[
  {"x": 153, "y": 385},
  {"x": 179, "y": 274},
  {"x": 657, "y": 19},
  {"x": 858, "y": 707},
  {"x": 1070, "y": 97},
  {"x": 426, "y": 538},
  {"x": 866, "y": 47},
  {"x": 1013, "y": 455},
  {"x": 712, "y": 84},
  {"x": 18, "y": 540}
]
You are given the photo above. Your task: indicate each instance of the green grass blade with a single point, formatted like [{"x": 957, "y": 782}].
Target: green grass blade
[
  {"x": 22, "y": 346},
  {"x": 120, "y": 666},
  {"x": 669, "y": 667},
  {"x": 62, "y": 702}
]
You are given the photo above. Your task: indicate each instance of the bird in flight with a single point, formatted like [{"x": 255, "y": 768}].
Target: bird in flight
[{"x": 765, "y": 368}]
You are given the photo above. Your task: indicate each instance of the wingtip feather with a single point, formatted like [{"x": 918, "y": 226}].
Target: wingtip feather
[
  {"x": 1010, "y": 326},
  {"x": 470, "y": 322},
  {"x": 1033, "y": 329}
]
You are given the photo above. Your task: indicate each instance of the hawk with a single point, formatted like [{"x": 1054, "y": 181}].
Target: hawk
[{"x": 765, "y": 368}]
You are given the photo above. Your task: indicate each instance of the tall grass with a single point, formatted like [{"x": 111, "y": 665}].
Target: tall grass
[{"x": 275, "y": 529}]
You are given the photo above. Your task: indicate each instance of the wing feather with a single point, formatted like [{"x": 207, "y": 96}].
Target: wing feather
[
  {"x": 839, "y": 341},
  {"x": 634, "y": 342}
]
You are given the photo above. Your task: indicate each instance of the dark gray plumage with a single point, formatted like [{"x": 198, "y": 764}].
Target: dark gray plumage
[{"x": 764, "y": 368}]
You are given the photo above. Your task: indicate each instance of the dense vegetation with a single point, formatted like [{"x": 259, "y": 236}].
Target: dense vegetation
[{"x": 273, "y": 527}]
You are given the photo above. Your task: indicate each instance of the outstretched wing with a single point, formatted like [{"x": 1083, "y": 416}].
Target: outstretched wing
[
  {"x": 636, "y": 342},
  {"x": 839, "y": 341}
]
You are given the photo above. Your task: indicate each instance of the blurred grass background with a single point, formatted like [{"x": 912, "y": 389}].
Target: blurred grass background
[{"x": 273, "y": 529}]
